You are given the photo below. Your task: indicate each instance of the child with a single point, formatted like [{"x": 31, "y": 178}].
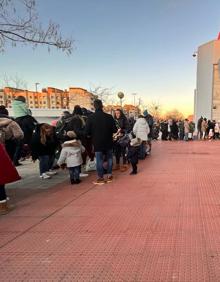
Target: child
[
  {"x": 71, "y": 155},
  {"x": 133, "y": 151}
]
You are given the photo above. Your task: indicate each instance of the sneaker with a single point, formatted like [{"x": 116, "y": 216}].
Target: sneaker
[
  {"x": 99, "y": 181},
  {"x": 109, "y": 179},
  {"x": 83, "y": 175},
  {"x": 51, "y": 173},
  {"x": 45, "y": 176}
]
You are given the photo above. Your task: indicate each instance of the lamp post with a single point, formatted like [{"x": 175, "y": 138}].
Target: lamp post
[
  {"x": 121, "y": 96},
  {"x": 36, "y": 84},
  {"x": 134, "y": 94}
]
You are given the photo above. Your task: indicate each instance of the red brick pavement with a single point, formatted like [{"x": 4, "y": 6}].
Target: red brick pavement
[{"x": 161, "y": 225}]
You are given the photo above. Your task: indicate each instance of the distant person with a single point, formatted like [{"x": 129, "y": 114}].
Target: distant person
[
  {"x": 43, "y": 147},
  {"x": 101, "y": 127},
  {"x": 23, "y": 117},
  {"x": 204, "y": 127},
  {"x": 150, "y": 120},
  {"x": 71, "y": 156},
  {"x": 216, "y": 130},
  {"x": 174, "y": 130},
  {"x": 8, "y": 174},
  {"x": 164, "y": 130},
  {"x": 199, "y": 127},
  {"x": 186, "y": 130}
]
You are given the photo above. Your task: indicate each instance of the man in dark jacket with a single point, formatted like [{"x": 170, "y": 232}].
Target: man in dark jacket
[{"x": 101, "y": 127}]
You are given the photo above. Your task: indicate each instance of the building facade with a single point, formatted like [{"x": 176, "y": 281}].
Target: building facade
[
  {"x": 207, "y": 93},
  {"x": 49, "y": 98},
  {"x": 80, "y": 96}
]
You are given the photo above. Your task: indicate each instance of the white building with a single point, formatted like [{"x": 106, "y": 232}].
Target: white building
[{"x": 207, "y": 93}]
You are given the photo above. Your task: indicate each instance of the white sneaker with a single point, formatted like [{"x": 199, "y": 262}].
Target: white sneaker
[
  {"x": 51, "y": 173},
  {"x": 45, "y": 176},
  {"x": 83, "y": 175}
]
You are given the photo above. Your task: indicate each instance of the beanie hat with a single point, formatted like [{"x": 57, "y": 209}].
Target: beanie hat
[
  {"x": 145, "y": 113},
  {"x": 20, "y": 98},
  {"x": 71, "y": 134}
]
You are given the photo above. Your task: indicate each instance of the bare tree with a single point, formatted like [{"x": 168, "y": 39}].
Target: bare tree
[
  {"x": 20, "y": 24},
  {"x": 155, "y": 109},
  {"x": 104, "y": 94},
  {"x": 174, "y": 114},
  {"x": 13, "y": 81}
]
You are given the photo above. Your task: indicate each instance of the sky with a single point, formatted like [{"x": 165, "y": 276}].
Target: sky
[{"x": 133, "y": 46}]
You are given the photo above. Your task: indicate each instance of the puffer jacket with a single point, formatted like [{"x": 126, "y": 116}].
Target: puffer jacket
[
  {"x": 71, "y": 153},
  {"x": 141, "y": 129},
  {"x": 11, "y": 128},
  {"x": 20, "y": 109}
]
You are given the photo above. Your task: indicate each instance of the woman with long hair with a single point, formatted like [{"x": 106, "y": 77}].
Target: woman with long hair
[
  {"x": 119, "y": 150},
  {"x": 44, "y": 145}
]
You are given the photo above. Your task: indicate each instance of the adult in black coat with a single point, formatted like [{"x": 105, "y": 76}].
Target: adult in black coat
[
  {"x": 122, "y": 125},
  {"x": 101, "y": 127}
]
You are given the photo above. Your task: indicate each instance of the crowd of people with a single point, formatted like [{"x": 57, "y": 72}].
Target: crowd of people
[
  {"x": 80, "y": 138},
  {"x": 81, "y": 141},
  {"x": 172, "y": 129}
]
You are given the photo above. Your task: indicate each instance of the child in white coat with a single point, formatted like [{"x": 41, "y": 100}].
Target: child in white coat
[{"x": 71, "y": 155}]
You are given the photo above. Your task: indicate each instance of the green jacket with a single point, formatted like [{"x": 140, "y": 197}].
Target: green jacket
[{"x": 20, "y": 109}]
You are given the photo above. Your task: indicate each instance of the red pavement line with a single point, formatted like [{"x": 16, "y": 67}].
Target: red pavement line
[{"x": 57, "y": 210}]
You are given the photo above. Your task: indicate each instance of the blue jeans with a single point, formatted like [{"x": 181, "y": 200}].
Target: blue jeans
[
  {"x": 186, "y": 136},
  {"x": 74, "y": 172},
  {"x": 108, "y": 155},
  {"x": 45, "y": 163}
]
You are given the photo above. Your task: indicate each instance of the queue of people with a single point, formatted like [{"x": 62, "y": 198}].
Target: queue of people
[{"x": 109, "y": 142}]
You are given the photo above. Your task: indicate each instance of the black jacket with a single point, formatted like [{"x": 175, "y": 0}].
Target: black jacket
[
  {"x": 39, "y": 149},
  {"x": 133, "y": 154},
  {"x": 101, "y": 127},
  {"x": 27, "y": 124}
]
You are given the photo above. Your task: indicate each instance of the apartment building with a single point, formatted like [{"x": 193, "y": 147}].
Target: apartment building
[
  {"x": 49, "y": 98},
  {"x": 80, "y": 96}
]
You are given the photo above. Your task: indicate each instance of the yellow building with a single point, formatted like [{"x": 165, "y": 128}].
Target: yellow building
[
  {"x": 49, "y": 98},
  {"x": 80, "y": 96}
]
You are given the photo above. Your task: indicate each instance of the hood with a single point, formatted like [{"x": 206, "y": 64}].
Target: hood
[
  {"x": 17, "y": 102},
  {"x": 72, "y": 143},
  {"x": 142, "y": 121},
  {"x": 5, "y": 121}
]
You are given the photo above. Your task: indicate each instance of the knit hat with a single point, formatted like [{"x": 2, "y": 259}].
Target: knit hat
[
  {"x": 20, "y": 98},
  {"x": 71, "y": 134},
  {"x": 145, "y": 113},
  {"x": 135, "y": 142}
]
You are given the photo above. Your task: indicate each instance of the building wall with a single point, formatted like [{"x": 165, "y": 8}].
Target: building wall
[
  {"x": 208, "y": 56},
  {"x": 80, "y": 96}
]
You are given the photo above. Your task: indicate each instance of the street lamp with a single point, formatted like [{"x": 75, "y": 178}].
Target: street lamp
[
  {"x": 121, "y": 96},
  {"x": 134, "y": 94},
  {"x": 36, "y": 84}
]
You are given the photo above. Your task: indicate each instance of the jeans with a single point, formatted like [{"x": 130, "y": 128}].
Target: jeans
[
  {"x": 186, "y": 136},
  {"x": 74, "y": 172},
  {"x": 18, "y": 151},
  {"x": 108, "y": 155},
  {"x": 45, "y": 163},
  {"x": 3, "y": 195}
]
